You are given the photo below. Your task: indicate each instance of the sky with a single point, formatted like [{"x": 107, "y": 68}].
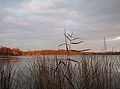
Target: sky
[{"x": 40, "y": 24}]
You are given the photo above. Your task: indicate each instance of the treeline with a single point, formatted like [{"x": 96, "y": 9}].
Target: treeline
[
  {"x": 6, "y": 51},
  {"x": 49, "y": 52},
  {"x": 105, "y": 53},
  {"x": 64, "y": 52}
]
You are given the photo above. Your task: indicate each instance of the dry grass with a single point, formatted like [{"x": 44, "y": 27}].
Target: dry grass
[
  {"x": 87, "y": 72},
  {"x": 7, "y": 75}
]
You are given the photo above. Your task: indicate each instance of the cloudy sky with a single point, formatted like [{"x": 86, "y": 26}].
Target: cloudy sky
[{"x": 39, "y": 24}]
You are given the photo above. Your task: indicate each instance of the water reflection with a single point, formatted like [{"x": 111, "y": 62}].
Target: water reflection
[{"x": 93, "y": 69}]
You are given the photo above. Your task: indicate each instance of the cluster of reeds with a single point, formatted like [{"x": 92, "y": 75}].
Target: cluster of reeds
[
  {"x": 7, "y": 75},
  {"x": 85, "y": 72}
]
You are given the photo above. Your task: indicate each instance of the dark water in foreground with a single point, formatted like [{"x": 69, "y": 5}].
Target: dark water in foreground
[
  {"x": 23, "y": 60},
  {"x": 75, "y": 72}
]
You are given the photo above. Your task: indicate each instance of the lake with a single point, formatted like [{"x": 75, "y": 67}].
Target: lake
[{"x": 68, "y": 72}]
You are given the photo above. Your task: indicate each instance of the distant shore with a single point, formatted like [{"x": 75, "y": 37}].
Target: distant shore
[
  {"x": 5, "y": 51},
  {"x": 64, "y": 52}
]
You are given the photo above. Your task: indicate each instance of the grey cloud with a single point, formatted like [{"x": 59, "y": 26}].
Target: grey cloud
[
  {"x": 92, "y": 19},
  {"x": 102, "y": 10},
  {"x": 11, "y": 3},
  {"x": 98, "y": 33}
]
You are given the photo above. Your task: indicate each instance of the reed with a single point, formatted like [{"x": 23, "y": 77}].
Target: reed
[
  {"x": 86, "y": 72},
  {"x": 7, "y": 75}
]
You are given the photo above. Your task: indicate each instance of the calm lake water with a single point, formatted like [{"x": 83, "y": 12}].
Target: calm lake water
[
  {"x": 109, "y": 63},
  {"x": 22, "y": 60}
]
